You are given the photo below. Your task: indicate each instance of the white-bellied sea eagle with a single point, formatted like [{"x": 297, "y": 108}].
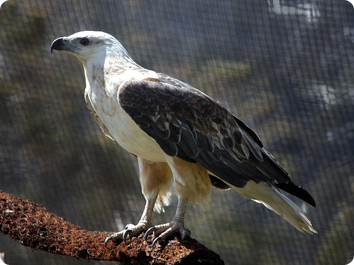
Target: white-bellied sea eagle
[{"x": 182, "y": 138}]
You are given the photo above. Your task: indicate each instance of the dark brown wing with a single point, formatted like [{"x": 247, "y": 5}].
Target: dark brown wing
[{"x": 192, "y": 126}]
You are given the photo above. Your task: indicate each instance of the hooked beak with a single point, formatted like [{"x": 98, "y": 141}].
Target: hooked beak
[
  {"x": 58, "y": 44},
  {"x": 63, "y": 44}
]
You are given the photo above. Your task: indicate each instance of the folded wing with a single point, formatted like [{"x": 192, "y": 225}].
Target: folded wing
[{"x": 192, "y": 126}]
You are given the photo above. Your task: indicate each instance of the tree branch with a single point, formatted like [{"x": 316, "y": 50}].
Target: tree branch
[{"x": 34, "y": 226}]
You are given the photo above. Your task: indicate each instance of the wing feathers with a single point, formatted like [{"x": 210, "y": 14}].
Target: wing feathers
[
  {"x": 189, "y": 124},
  {"x": 188, "y": 145}
]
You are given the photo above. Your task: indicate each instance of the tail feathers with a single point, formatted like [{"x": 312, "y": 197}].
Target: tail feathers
[
  {"x": 297, "y": 191},
  {"x": 276, "y": 201}
]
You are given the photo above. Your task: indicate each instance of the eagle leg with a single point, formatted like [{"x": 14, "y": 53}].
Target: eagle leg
[
  {"x": 133, "y": 230},
  {"x": 164, "y": 231}
]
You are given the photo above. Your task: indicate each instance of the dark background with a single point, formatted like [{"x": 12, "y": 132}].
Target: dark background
[{"x": 285, "y": 67}]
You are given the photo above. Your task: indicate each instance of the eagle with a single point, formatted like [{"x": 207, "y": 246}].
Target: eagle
[{"x": 182, "y": 138}]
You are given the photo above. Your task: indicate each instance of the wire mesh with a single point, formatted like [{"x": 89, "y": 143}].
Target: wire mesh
[{"x": 284, "y": 67}]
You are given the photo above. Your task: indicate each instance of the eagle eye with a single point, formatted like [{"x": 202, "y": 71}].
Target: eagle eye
[{"x": 84, "y": 41}]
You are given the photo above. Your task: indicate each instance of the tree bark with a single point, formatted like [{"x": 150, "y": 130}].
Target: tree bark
[{"x": 34, "y": 226}]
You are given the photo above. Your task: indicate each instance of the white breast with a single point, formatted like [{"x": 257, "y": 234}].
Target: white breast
[
  {"x": 128, "y": 135},
  {"x": 104, "y": 100}
]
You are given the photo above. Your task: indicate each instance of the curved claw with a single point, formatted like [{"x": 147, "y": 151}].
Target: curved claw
[
  {"x": 125, "y": 234},
  {"x": 155, "y": 241},
  {"x": 150, "y": 231},
  {"x": 109, "y": 238},
  {"x": 167, "y": 230}
]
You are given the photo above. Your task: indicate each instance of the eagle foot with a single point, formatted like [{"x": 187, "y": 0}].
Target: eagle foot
[
  {"x": 163, "y": 231},
  {"x": 130, "y": 230}
]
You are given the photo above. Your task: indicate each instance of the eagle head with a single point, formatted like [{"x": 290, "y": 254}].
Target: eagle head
[{"x": 90, "y": 45}]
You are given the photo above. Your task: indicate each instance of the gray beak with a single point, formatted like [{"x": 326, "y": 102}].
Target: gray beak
[
  {"x": 63, "y": 44},
  {"x": 58, "y": 44}
]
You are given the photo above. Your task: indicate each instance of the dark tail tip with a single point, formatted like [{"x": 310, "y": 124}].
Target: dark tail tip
[{"x": 297, "y": 191}]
